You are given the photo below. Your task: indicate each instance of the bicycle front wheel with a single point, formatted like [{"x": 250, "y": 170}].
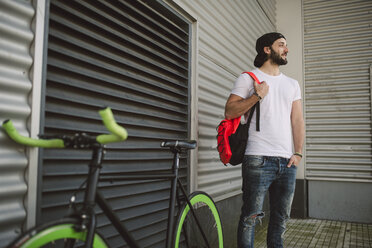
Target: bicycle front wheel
[
  {"x": 188, "y": 233},
  {"x": 60, "y": 233}
]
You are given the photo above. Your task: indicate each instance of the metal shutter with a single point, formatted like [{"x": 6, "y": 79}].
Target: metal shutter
[
  {"x": 134, "y": 57},
  {"x": 227, "y": 33},
  {"x": 15, "y": 86},
  {"x": 338, "y": 54}
]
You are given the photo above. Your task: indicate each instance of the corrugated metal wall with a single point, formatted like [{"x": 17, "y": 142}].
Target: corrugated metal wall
[
  {"x": 338, "y": 55},
  {"x": 227, "y": 32},
  {"x": 133, "y": 57},
  {"x": 268, "y": 6},
  {"x": 15, "y": 86}
]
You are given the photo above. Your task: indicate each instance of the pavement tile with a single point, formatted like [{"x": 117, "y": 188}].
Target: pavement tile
[{"x": 312, "y": 233}]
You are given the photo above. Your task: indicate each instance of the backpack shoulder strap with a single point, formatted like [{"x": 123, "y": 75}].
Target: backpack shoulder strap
[
  {"x": 256, "y": 106},
  {"x": 253, "y": 76}
]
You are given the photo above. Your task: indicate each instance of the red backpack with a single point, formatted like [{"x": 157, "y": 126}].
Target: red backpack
[{"x": 232, "y": 135}]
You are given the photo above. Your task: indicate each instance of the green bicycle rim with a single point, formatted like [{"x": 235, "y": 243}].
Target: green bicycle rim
[
  {"x": 208, "y": 201},
  {"x": 62, "y": 231}
]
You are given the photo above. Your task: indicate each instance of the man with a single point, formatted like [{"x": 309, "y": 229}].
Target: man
[{"x": 269, "y": 163}]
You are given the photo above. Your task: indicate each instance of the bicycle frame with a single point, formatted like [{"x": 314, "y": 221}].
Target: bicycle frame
[{"x": 92, "y": 196}]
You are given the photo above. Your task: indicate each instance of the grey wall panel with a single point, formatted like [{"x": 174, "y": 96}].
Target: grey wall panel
[
  {"x": 269, "y": 8},
  {"x": 15, "y": 86},
  {"x": 227, "y": 33},
  {"x": 213, "y": 177},
  {"x": 338, "y": 55},
  {"x": 133, "y": 57},
  {"x": 337, "y": 90},
  {"x": 340, "y": 201}
]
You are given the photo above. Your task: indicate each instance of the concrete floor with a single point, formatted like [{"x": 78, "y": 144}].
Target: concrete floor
[{"x": 313, "y": 233}]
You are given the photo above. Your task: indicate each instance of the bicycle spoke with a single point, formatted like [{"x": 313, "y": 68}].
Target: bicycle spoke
[
  {"x": 207, "y": 233},
  {"x": 208, "y": 226},
  {"x": 69, "y": 243}
]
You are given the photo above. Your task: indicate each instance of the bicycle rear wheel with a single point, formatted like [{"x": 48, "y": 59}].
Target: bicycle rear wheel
[
  {"x": 188, "y": 233},
  {"x": 59, "y": 233}
]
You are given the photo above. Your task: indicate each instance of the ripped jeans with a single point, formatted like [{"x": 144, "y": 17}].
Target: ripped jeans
[{"x": 262, "y": 174}]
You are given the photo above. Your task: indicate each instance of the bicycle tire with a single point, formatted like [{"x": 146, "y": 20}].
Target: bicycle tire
[
  {"x": 187, "y": 233},
  {"x": 56, "y": 234}
]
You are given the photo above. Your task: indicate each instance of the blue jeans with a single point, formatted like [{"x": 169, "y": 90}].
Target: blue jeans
[{"x": 262, "y": 174}]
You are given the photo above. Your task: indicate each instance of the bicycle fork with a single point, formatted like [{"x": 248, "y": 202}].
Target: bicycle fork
[
  {"x": 92, "y": 195},
  {"x": 88, "y": 216}
]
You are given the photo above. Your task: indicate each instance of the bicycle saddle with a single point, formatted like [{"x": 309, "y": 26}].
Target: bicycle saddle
[{"x": 186, "y": 144}]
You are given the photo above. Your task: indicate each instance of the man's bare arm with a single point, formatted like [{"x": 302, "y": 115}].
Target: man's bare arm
[
  {"x": 237, "y": 106},
  {"x": 298, "y": 126},
  {"x": 298, "y": 131}
]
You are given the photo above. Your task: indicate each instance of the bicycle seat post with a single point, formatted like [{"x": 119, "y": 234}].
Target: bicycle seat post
[
  {"x": 176, "y": 146},
  {"x": 172, "y": 200}
]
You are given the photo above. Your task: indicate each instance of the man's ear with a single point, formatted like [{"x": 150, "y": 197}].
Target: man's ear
[{"x": 267, "y": 50}]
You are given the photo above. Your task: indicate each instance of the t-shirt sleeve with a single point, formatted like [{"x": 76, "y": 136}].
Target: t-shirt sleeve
[
  {"x": 297, "y": 95},
  {"x": 243, "y": 86}
]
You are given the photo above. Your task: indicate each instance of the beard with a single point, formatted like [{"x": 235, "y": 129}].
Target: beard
[{"x": 276, "y": 58}]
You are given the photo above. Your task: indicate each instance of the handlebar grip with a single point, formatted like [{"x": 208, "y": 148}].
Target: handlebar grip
[
  {"x": 118, "y": 133},
  {"x": 17, "y": 137}
]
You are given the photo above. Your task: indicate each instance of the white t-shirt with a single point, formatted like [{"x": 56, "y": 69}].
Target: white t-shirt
[{"x": 275, "y": 135}]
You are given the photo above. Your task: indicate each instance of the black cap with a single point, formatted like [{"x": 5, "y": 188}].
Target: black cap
[{"x": 265, "y": 41}]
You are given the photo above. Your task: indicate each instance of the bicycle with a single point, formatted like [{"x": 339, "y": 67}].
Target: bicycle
[{"x": 79, "y": 228}]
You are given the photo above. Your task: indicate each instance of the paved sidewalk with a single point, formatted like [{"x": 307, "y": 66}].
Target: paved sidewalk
[{"x": 313, "y": 233}]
